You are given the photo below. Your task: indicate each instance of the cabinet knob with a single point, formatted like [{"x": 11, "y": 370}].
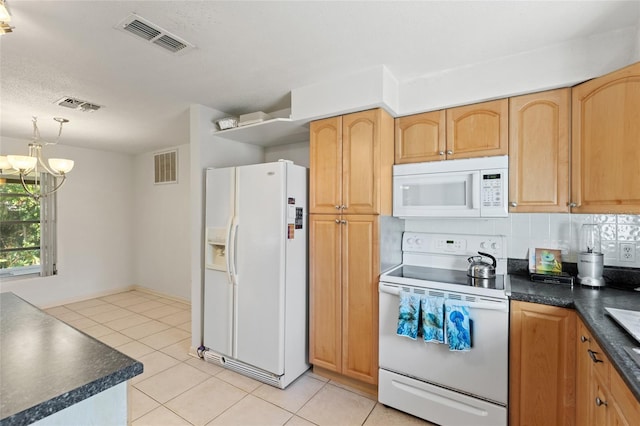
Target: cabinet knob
[
  {"x": 572, "y": 205},
  {"x": 449, "y": 152},
  {"x": 584, "y": 339},
  {"x": 337, "y": 207},
  {"x": 337, "y": 220},
  {"x": 514, "y": 204},
  {"x": 344, "y": 222},
  {"x": 600, "y": 402},
  {"x": 440, "y": 152},
  {"x": 593, "y": 356},
  {"x": 343, "y": 207}
]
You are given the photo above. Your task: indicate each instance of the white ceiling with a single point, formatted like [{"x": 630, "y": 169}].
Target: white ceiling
[{"x": 249, "y": 55}]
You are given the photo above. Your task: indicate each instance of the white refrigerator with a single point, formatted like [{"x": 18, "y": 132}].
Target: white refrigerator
[{"x": 255, "y": 272}]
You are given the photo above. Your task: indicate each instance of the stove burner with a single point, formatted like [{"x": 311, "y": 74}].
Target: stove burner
[{"x": 448, "y": 276}]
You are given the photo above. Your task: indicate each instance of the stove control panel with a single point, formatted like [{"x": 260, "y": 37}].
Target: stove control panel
[{"x": 456, "y": 244}]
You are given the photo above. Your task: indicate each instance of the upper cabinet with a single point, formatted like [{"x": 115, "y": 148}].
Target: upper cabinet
[
  {"x": 477, "y": 130},
  {"x": 539, "y": 152},
  {"x": 606, "y": 143},
  {"x": 351, "y": 158}
]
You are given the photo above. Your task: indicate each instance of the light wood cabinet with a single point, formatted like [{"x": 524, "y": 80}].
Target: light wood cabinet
[
  {"x": 351, "y": 159},
  {"x": 602, "y": 397},
  {"x": 542, "y": 365},
  {"x": 539, "y": 126},
  {"x": 606, "y": 143},
  {"x": 421, "y": 137},
  {"x": 478, "y": 130},
  {"x": 344, "y": 268}
]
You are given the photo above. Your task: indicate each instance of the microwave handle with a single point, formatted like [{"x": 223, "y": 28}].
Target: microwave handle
[{"x": 475, "y": 193}]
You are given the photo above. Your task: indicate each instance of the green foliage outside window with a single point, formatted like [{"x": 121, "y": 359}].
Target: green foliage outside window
[{"x": 19, "y": 226}]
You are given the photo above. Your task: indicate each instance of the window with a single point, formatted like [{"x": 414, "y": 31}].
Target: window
[{"x": 27, "y": 229}]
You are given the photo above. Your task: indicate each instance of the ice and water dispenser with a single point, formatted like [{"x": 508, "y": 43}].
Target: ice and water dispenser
[{"x": 216, "y": 249}]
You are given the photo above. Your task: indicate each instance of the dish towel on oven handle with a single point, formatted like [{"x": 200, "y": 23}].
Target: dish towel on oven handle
[
  {"x": 432, "y": 318},
  {"x": 457, "y": 325},
  {"x": 408, "y": 315}
]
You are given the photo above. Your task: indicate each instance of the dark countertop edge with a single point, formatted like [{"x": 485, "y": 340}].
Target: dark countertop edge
[
  {"x": 621, "y": 361},
  {"x": 68, "y": 399}
]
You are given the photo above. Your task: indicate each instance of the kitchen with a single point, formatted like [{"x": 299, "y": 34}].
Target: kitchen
[{"x": 141, "y": 241}]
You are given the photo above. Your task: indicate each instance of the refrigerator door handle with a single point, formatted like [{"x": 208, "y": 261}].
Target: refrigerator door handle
[
  {"x": 232, "y": 251},
  {"x": 228, "y": 249}
]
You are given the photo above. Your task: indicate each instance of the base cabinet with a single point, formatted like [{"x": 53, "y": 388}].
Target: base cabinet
[
  {"x": 542, "y": 365},
  {"x": 602, "y": 398}
]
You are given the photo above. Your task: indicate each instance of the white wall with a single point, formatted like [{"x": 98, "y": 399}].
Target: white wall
[
  {"x": 296, "y": 152},
  {"x": 161, "y": 233},
  {"x": 94, "y": 228},
  {"x": 542, "y": 230}
]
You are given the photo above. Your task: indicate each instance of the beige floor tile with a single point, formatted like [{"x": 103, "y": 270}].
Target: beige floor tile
[
  {"x": 162, "y": 311},
  {"x": 165, "y": 338},
  {"x": 112, "y": 315},
  {"x": 299, "y": 421},
  {"x": 310, "y": 373},
  {"x": 181, "y": 305},
  {"x": 161, "y": 416},
  {"x": 294, "y": 396},
  {"x": 135, "y": 349},
  {"x": 354, "y": 390},
  {"x": 95, "y": 310},
  {"x": 76, "y": 306},
  {"x": 82, "y": 323},
  {"x": 127, "y": 322},
  {"x": 57, "y": 310},
  {"x": 145, "y": 306},
  {"x": 180, "y": 350},
  {"x": 139, "y": 403},
  {"x": 205, "y": 366},
  {"x": 154, "y": 363},
  {"x": 172, "y": 382},
  {"x": 165, "y": 300},
  {"x": 144, "y": 294},
  {"x": 118, "y": 296},
  {"x": 114, "y": 339},
  {"x": 336, "y": 406},
  {"x": 202, "y": 403},
  {"x": 129, "y": 301},
  {"x": 98, "y": 331},
  {"x": 245, "y": 383},
  {"x": 69, "y": 316},
  {"x": 252, "y": 411},
  {"x": 176, "y": 318},
  {"x": 186, "y": 326},
  {"x": 384, "y": 416},
  {"x": 145, "y": 329}
]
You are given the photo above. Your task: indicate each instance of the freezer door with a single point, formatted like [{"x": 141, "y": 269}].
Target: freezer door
[
  {"x": 218, "y": 288},
  {"x": 260, "y": 252}
]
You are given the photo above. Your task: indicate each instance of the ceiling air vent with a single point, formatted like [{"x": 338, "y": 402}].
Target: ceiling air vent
[
  {"x": 152, "y": 33},
  {"x": 78, "y": 104},
  {"x": 165, "y": 167}
]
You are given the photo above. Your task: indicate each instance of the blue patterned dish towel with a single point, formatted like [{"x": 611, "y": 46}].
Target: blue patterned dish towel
[
  {"x": 457, "y": 326},
  {"x": 432, "y": 318},
  {"x": 408, "y": 315}
]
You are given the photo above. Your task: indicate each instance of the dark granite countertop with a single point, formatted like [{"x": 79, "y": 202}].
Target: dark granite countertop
[
  {"x": 46, "y": 365},
  {"x": 590, "y": 304}
]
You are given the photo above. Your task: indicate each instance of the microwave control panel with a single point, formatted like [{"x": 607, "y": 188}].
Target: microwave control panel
[{"x": 494, "y": 192}]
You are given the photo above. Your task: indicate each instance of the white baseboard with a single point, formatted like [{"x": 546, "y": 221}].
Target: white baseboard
[
  {"x": 157, "y": 293},
  {"x": 87, "y": 297}
]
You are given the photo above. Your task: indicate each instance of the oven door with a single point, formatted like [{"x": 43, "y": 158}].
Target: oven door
[{"x": 481, "y": 372}]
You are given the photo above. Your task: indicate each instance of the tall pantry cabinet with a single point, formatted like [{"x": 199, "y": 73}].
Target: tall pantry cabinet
[{"x": 350, "y": 187}]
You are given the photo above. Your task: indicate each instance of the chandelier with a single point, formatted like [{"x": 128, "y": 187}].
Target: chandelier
[{"x": 33, "y": 163}]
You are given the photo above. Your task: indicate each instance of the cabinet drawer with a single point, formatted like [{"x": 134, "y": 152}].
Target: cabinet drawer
[
  {"x": 600, "y": 362},
  {"x": 624, "y": 399}
]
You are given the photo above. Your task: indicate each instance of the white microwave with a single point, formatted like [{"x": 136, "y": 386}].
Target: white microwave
[{"x": 472, "y": 187}]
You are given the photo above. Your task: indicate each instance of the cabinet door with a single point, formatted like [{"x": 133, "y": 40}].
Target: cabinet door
[
  {"x": 605, "y": 150},
  {"x": 626, "y": 409},
  {"x": 539, "y": 152},
  {"x": 478, "y": 130},
  {"x": 360, "y": 297},
  {"x": 325, "y": 181},
  {"x": 542, "y": 365},
  {"x": 600, "y": 402},
  {"x": 360, "y": 157},
  {"x": 325, "y": 297},
  {"x": 420, "y": 137},
  {"x": 583, "y": 376}
]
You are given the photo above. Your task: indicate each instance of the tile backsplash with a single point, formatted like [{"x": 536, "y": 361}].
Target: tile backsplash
[{"x": 549, "y": 230}]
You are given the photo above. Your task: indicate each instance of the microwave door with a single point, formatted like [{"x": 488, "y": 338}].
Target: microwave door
[{"x": 447, "y": 194}]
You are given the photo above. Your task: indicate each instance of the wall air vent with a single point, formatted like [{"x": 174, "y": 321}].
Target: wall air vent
[
  {"x": 78, "y": 104},
  {"x": 142, "y": 28},
  {"x": 165, "y": 167}
]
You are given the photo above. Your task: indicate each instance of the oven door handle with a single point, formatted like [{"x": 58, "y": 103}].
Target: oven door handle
[{"x": 489, "y": 306}]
